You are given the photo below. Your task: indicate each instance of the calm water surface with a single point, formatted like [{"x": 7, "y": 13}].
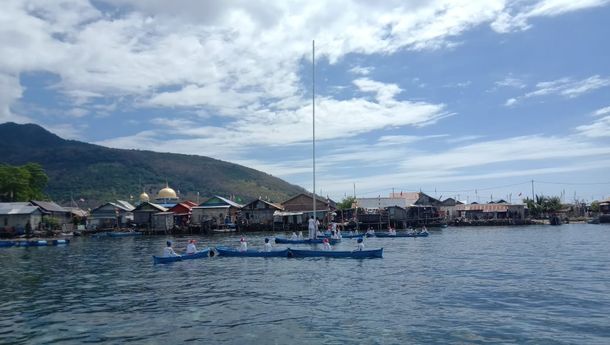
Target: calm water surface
[{"x": 537, "y": 285}]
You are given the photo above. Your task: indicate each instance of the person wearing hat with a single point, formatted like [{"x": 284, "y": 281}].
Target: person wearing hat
[
  {"x": 168, "y": 251},
  {"x": 326, "y": 244},
  {"x": 267, "y": 245},
  {"x": 190, "y": 248},
  {"x": 360, "y": 246},
  {"x": 243, "y": 245}
]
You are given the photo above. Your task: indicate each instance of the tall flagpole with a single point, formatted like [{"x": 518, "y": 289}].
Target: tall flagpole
[{"x": 313, "y": 103}]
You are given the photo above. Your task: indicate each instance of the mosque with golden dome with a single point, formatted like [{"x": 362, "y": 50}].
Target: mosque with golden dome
[{"x": 166, "y": 197}]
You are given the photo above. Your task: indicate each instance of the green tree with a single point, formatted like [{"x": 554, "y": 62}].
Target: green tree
[
  {"x": 22, "y": 183},
  {"x": 346, "y": 203},
  {"x": 595, "y": 206}
]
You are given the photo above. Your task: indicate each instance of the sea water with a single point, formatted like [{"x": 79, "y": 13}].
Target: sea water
[{"x": 530, "y": 284}]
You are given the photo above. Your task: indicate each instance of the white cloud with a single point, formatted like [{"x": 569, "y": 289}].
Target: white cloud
[
  {"x": 361, "y": 70},
  {"x": 600, "y": 128},
  {"x": 511, "y": 82},
  {"x": 565, "y": 87},
  {"x": 516, "y": 17},
  {"x": 602, "y": 111}
]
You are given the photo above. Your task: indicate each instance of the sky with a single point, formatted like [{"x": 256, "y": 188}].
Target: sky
[{"x": 466, "y": 99}]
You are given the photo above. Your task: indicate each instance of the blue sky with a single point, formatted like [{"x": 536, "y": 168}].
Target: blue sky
[{"x": 460, "y": 99}]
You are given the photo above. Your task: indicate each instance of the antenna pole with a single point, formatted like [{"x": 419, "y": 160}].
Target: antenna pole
[{"x": 313, "y": 103}]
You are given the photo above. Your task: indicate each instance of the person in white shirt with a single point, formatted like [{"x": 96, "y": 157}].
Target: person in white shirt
[
  {"x": 319, "y": 233},
  {"x": 267, "y": 245},
  {"x": 424, "y": 230},
  {"x": 169, "y": 251},
  {"x": 191, "y": 248},
  {"x": 243, "y": 245},
  {"x": 294, "y": 236},
  {"x": 360, "y": 246},
  {"x": 312, "y": 227},
  {"x": 326, "y": 244},
  {"x": 300, "y": 235}
]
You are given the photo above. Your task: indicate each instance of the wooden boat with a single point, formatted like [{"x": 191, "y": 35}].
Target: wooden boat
[
  {"x": 165, "y": 260},
  {"x": 226, "y": 251},
  {"x": 123, "y": 233},
  {"x": 356, "y": 254},
  {"x": 332, "y": 241},
  {"x": 402, "y": 234}
]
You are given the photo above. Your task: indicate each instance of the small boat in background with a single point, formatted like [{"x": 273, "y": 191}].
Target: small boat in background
[
  {"x": 226, "y": 251},
  {"x": 41, "y": 243},
  {"x": 332, "y": 241},
  {"x": 356, "y": 254},
  {"x": 404, "y": 234},
  {"x": 199, "y": 255}
]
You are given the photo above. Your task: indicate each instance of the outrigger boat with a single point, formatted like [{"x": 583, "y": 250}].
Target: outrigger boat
[
  {"x": 123, "y": 233},
  {"x": 226, "y": 251},
  {"x": 199, "y": 255},
  {"x": 356, "y": 254}
]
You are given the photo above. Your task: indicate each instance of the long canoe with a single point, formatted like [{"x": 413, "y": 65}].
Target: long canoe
[
  {"x": 306, "y": 241},
  {"x": 225, "y": 251},
  {"x": 353, "y": 236},
  {"x": 165, "y": 260},
  {"x": 404, "y": 234},
  {"x": 356, "y": 254},
  {"x": 7, "y": 243},
  {"x": 124, "y": 233}
]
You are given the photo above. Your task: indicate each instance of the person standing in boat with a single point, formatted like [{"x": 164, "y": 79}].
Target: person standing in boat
[
  {"x": 168, "y": 251},
  {"x": 243, "y": 245},
  {"x": 312, "y": 227},
  {"x": 360, "y": 246},
  {"x": 326, "y": 244},
  {"x": 267, "y": 245},
  {"x": 191, "y": 248}
]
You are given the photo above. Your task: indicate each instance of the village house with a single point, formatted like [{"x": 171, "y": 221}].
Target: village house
[
  {"x": 110, "y": 215},
  {"x": 143, "y": 215},
  {"x": 476, "y": 211},
  {"x": 260, "y": 212},
  {"x": 54, "y": 213},
  {"x": 17, "y": 217},
  {"x": 182, "y": 212},
  {"x": 216, "y": 212}
]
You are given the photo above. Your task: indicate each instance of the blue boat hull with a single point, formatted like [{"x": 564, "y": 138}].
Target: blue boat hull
[
  {"x": 41, "y": 243},
  {"x": 251, "y": 253},
  {"x": 385, "y": 234},
  {"x": 306, "y": 241},
  {"x": 352, "y": 236},
  {"x": 165, "y": 260},
  {"x": 7, "y": 243},
  {"x": 357, "y": 254}
]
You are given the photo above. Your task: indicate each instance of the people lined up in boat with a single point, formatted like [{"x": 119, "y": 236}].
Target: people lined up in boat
[
  {"x": 168, "y": 251},
  {"x": 370, "y": 231},
  {"x": 333, "y": 234},
  {"x": 326, "y": 244},
  {"x": 191, "y": 248},
  {"x": 424, "y": 230},
  {"x": 360, "y": 245},
  {"x": 294, "y": 236},
  {"x": 300, "y": 235},
  {"x": 391, "y": 231},
  {"x": 268, "y": 245},
  {"x": 243, "y": 245}
]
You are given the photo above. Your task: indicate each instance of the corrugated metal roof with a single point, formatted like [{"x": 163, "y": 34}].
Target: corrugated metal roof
[
  {"x": 375, "y": 203},
  {"x": 48, "y": 206},
  {"x": 7, "y": 208},
  {"x": 125, "y": 205}
]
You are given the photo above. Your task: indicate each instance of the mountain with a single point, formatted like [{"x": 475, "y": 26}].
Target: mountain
[{"x": 97, "y": 174}]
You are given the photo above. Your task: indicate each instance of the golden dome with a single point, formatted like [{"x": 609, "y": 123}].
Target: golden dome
[
  {"x": 144, "y": 197},
  {"x": 167, "y": 193}
]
